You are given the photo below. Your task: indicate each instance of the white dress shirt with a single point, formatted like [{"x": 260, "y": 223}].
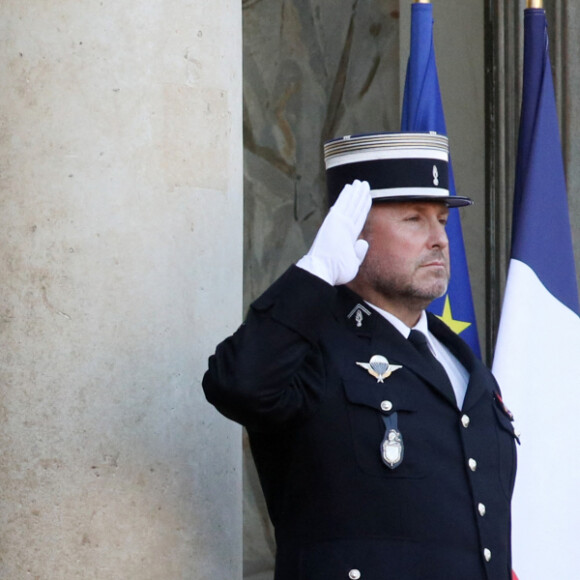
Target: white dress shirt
[{"x": 457, "y": 373}]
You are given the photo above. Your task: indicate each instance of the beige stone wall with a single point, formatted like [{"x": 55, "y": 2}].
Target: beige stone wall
[{"x": 121, "y": 261}]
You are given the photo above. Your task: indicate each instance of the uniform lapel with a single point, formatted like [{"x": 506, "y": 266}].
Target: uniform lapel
[
  {"x": 379, "y": 336},
  {"x": 478, "y": 373}
]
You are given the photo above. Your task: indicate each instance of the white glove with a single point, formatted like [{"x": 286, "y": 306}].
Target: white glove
[{"x": 337, "y": 253}]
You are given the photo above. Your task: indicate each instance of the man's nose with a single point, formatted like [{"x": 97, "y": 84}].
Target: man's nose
[{"x": 439, "y": 235}]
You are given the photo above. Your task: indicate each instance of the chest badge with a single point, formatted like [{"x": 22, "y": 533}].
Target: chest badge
[
  {"x": 392, "y": 448},
  {"x": 379, "y": 367}
]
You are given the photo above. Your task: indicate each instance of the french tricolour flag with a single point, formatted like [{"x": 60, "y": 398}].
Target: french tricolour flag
[{"x": 537, "y": 355}]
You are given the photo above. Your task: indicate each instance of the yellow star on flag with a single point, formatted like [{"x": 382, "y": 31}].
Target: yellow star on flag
[{"x": 457, "y": 326}]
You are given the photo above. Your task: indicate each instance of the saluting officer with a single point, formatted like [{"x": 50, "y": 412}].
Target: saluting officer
[{"x": 383, "y": 446}]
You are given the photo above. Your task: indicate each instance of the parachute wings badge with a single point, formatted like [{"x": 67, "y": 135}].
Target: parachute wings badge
[{"x": 379, "y": 367}]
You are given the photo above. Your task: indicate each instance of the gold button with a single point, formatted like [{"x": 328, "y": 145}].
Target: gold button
[
  {"x": 354, "y": 574},
  {"x": 465, "y": 420},
  {"x": 472, "y": 464},
  {"x": 481, "y": 509},
  {"x": 386, "y": 405}
]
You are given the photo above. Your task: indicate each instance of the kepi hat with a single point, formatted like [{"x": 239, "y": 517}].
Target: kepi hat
[{"x": 397, "y": 166}]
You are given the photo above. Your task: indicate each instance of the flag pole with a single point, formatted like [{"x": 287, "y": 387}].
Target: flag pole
[{"x": 535, "y": 3}]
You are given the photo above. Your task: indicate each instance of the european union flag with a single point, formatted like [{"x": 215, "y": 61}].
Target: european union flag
[
  {"x": 536, "y": 355},
  {"x": 422, "y": 112}
]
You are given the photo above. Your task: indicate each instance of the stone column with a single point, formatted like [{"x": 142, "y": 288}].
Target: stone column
[{"x": 121, "y": 268}]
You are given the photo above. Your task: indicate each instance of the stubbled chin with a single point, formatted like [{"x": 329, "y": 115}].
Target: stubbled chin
[{"x": 438, "y": 288}]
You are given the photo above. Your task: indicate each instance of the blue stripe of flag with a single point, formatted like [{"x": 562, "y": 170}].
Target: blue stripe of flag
[{"x": 541, "y": 236}]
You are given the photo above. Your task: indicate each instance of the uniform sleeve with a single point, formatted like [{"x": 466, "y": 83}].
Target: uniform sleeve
[{"x": 270, "y": 374}]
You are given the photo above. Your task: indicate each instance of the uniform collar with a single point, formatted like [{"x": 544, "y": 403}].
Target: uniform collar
[
  {"x": 422, "y": 325},
  {"x": 387, "y": 335}
]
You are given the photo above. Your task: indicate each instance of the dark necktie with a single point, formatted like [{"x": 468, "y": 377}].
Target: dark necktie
[{"x": 438, "y": 372}]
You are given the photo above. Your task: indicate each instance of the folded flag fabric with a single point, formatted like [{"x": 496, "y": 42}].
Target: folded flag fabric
[{"x": 537, "y": 354}]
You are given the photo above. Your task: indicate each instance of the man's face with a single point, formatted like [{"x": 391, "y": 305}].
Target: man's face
[{"x": 408, "y": 258}]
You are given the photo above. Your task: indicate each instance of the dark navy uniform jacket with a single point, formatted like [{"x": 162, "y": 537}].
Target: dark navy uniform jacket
[{"x": 315, "y": 422}]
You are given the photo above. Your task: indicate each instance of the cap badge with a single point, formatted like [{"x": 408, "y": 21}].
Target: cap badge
[
  {"x": 379, "y": 367},
  {"x": 359, "y": 312},
  {"x": 435, "y": 176}
]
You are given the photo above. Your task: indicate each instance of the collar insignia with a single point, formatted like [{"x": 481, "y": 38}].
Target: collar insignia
[
  {"x": 359, "y": 312},
  {"x": 379, "y": 367}
]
